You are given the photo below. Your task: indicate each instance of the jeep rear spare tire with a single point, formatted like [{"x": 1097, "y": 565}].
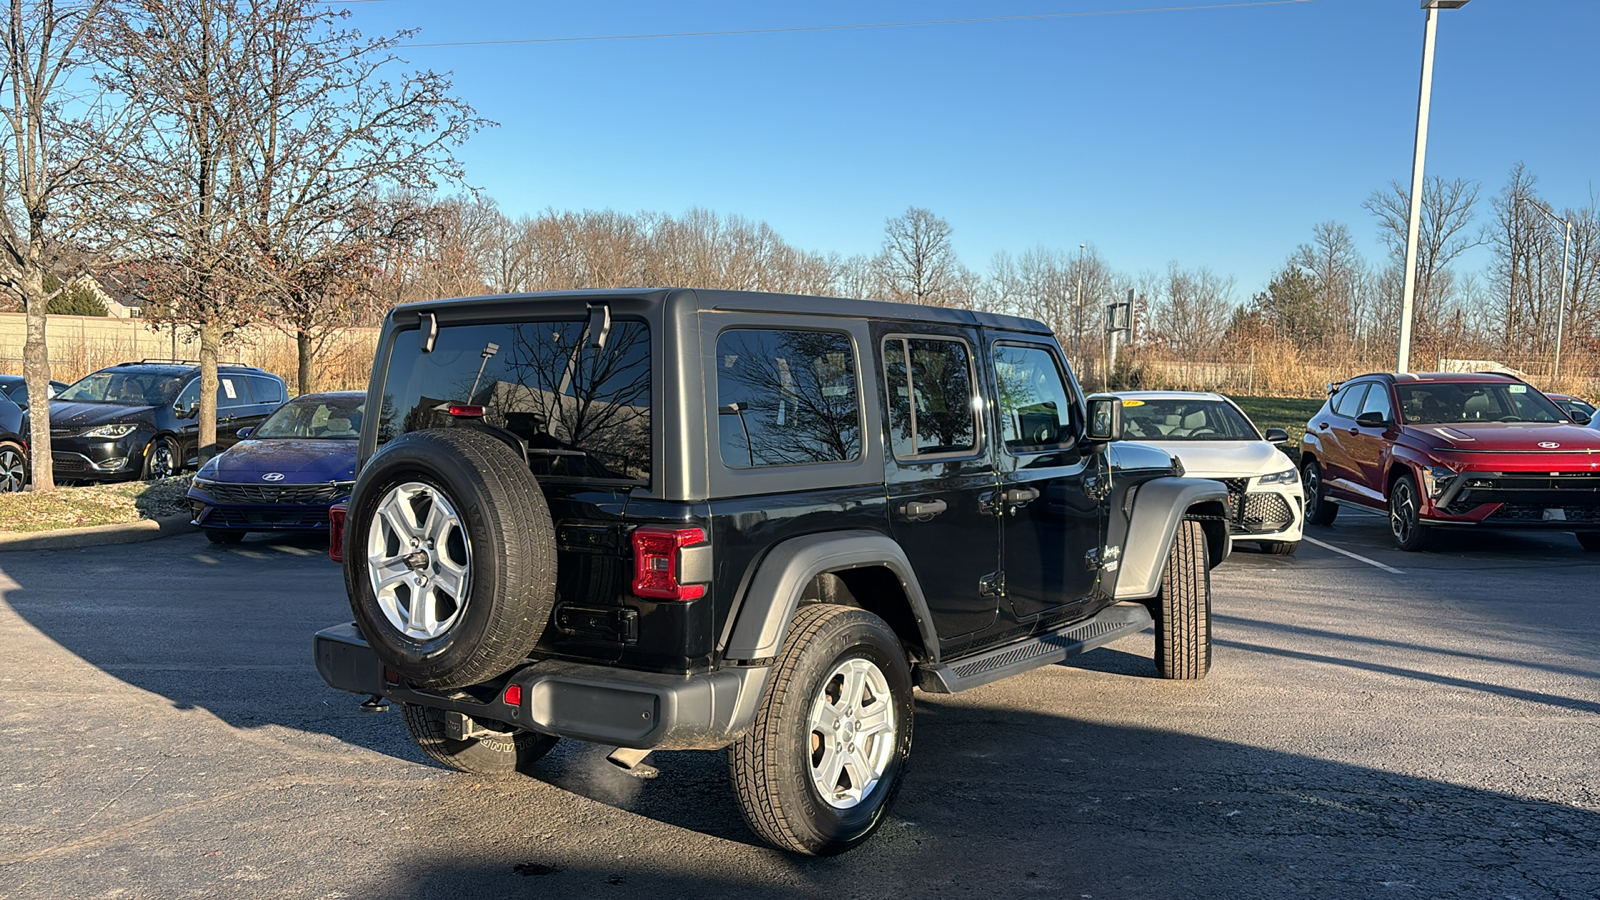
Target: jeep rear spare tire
[{"x": 450, "y": 557}]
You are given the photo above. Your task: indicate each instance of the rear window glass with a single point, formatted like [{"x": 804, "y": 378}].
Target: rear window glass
[
  {"x": 786, "y": 398},
  {"x": 580, "y": 412}
]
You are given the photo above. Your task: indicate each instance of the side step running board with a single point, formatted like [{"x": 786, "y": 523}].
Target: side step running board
[{"x": 1115, "y": 621}]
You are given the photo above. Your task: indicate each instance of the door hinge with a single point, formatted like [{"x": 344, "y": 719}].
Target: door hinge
[
  {"x": 992, "y": 585},
  {"x": 1105, "y": 560}
]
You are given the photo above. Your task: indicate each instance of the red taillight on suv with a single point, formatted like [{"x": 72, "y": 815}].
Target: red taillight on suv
[
  {"x": 336, "y": 515},
  {"x": 658, "y": 563}
]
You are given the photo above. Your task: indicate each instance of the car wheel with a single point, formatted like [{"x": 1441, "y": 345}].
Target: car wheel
[
  {"x": 1405, "y": 515},
  {"x": 1590, "y": 540},
  {"x": 501, "y": 753},
  {"x": 224, "y": 536},
  {"x": 818, "y": 770},
  {"x": 1319, "y": 510},
  {"x": 13, "y": 469},
  {"x": 1280, "y": 548},
  {"x": 162, "y": 460},
  {"x": 1182, "y": 611},
  {"x": 451, "y": 564}
]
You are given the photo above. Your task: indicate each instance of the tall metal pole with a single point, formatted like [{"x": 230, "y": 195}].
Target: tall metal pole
[
  {"x": 1414, "y": 225},
  {"x": 1077, "y": 312},
  {"x": 1561, "y": 303}
]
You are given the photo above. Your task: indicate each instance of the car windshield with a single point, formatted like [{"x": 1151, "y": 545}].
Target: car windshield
[
  {"x": 322, "y": 418},
  {"x": 1460, "y": 402},
  {"x": 1184, "y": 419},
  {"x": 134, "y": 388}
]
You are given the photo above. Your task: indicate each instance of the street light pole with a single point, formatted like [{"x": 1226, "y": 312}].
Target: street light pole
[
  {"x": 1414, "y": 222},
  {"x": 1077, "y": 313},
  {"x": 1561, "y": 301}
]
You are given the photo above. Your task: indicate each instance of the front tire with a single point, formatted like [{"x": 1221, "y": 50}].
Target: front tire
[
  {"x": 819, "y": 769},
  {"x": 1590, "y": 540},
  {"x": 1405, "y": 516},
  {"x": 1280, "y": 548},
  {"x": 224, "y": 536},
  {"x": 1319, "y": 511},
  {"x": 13, "y": 468},
  {"x": 1182, "y": 612},
  {"x": 504, "y": 753},
  {"x": 162, "y": 460}
]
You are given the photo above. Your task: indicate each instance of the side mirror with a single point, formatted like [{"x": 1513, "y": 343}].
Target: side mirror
[
  {"x": 1581, "y": 417},
  {"x": 1371, "y": 420},
  {"x": 1277, "y": 436},
  {"x": 1105, "y": 419},
  {"x": 190, "y": 411},
  {"x": 246, "y": 432}
]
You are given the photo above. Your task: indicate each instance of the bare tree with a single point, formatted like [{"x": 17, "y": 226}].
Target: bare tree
[
  {"x": 918, "y": 263},
  {"x": 1443, "y": 236},
  {"x": 49, "y": 162},
  {"x": 1339, "y": 280},
  {"x": 1192, "y": 311}
]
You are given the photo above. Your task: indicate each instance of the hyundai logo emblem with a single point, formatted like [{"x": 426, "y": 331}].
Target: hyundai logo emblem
[
  {"x": 272, "y": 476},
  {"x": 1549, "y": 445}
]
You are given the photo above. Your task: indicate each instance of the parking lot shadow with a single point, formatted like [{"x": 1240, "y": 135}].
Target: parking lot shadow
[{"x": 1095, "y": 780}]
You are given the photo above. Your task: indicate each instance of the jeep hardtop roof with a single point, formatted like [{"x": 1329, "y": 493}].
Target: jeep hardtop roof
[{"x": 677, "y": 301}]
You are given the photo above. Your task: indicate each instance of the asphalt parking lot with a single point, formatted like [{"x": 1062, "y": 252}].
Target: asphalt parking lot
[{"x": 1376, "y": 725}]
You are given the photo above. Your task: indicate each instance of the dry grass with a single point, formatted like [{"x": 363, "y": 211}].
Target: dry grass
[{"x": 101, "y": 504}]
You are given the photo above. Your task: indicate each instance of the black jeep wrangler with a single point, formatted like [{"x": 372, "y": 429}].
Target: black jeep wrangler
[{"x": 682, "y": 519}]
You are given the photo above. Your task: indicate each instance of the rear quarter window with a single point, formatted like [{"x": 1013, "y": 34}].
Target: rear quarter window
[{"x": 786, "y": 397}]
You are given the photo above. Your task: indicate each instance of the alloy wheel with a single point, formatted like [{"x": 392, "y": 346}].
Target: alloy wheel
[
  {"x": 1402, "y": 512},
  {"x": 161, "y": 465},
  {"x": 852, "y": 733},
  {"x": 13, "y": 471},
  {"x": 419, "y": 560}
]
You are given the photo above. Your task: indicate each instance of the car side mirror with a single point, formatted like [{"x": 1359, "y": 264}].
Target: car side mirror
[
  {"x": 1277, "y": 436},
  {"x": 1105, "y": 419},
  {"x": 1581, "y": 417},
  {"x": 189, "y": 412},
  {"x": 246, "y": 432},
  {"x": 1372, "y": 420}
]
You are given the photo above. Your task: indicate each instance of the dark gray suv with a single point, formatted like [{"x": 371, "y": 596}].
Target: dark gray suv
[{"x": 679, "y": 519}]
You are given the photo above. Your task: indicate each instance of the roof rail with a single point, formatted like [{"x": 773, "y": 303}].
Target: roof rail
[{"x": 162, "y": 359}]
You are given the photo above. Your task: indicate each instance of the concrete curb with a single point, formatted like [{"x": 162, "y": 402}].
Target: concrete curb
[{"x": 121, "y": 533}]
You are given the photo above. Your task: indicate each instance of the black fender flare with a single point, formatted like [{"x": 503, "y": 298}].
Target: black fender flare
[
  {"x": 773, "y": 595},
  {"x": 1159, "y": 506}
]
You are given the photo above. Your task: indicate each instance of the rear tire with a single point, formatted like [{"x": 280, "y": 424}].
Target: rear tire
[
  {"x": 819, "y": 769},
  {"x": 1590, "y": 540},
  {"x": 222, "y": 536},
  {"x": 1280, "y": 548},
  {"x": 506, "y": 753},
  {"x": 1319, "y": 511},
  {"x": 1182, "y": 612},
  {"x": 450, "y": 563}
]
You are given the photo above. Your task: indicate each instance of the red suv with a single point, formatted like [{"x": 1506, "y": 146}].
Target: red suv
[{"x": 1451, "y": 449}]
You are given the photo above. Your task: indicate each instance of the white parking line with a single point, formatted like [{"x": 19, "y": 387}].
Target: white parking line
[{"x": 1355, "y": 556}]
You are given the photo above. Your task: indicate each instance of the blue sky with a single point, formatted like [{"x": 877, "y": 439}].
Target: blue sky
[{"x": 1213, "y": 137}]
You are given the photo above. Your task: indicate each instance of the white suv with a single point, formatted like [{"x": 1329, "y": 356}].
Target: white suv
[{"x": 1213, "y": 438}]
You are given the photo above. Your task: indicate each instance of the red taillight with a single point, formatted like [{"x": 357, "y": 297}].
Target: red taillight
[
  {"x": 513, "y": 695},
  {"x": 466, "y": 411},
  {"x": 336, "y": 533},
  {"x": 657, "y": 563}
]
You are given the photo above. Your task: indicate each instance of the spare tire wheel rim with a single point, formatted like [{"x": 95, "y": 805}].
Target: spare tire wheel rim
[
  {"x": 419, "y": 560},
  {"x": 852, "y": 733}
]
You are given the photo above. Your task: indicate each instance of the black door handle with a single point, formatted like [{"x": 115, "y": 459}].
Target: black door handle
[
  {"x": 923, "y": 509},
  {"x": 1019, "y": 496}
]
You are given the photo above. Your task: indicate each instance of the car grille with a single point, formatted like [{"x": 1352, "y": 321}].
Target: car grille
[
  {"x": 265, "y": 518},
  {"x": 299, "y": 494},
  {"x": 68, "y": 462},
  {"x": 1255, "y": 513},
  {"x": 1531, "y": 512}
]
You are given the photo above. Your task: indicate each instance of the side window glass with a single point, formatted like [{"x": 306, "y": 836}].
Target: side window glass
[
  {"x": 232, "y": 391},
  {"x": 1378, "y": 401},
  {"x": 929, "y": 384},
  {"x": 1348, "y": 400},
  {"x": 190, "y": 395},
  {"x": 1036, "y": 407},
  {"x": 786, "y": 398},
  {"x": 265, "y": 390}
]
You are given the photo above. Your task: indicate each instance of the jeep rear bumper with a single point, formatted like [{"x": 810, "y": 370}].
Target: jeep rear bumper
[{"x": 602, "y": 704}]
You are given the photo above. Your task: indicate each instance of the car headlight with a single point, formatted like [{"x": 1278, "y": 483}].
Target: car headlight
[
  {"x": 1287, "y": 476},
  {"x": 110, "y": 431},
  {"x": 1436, "y": 480}
]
